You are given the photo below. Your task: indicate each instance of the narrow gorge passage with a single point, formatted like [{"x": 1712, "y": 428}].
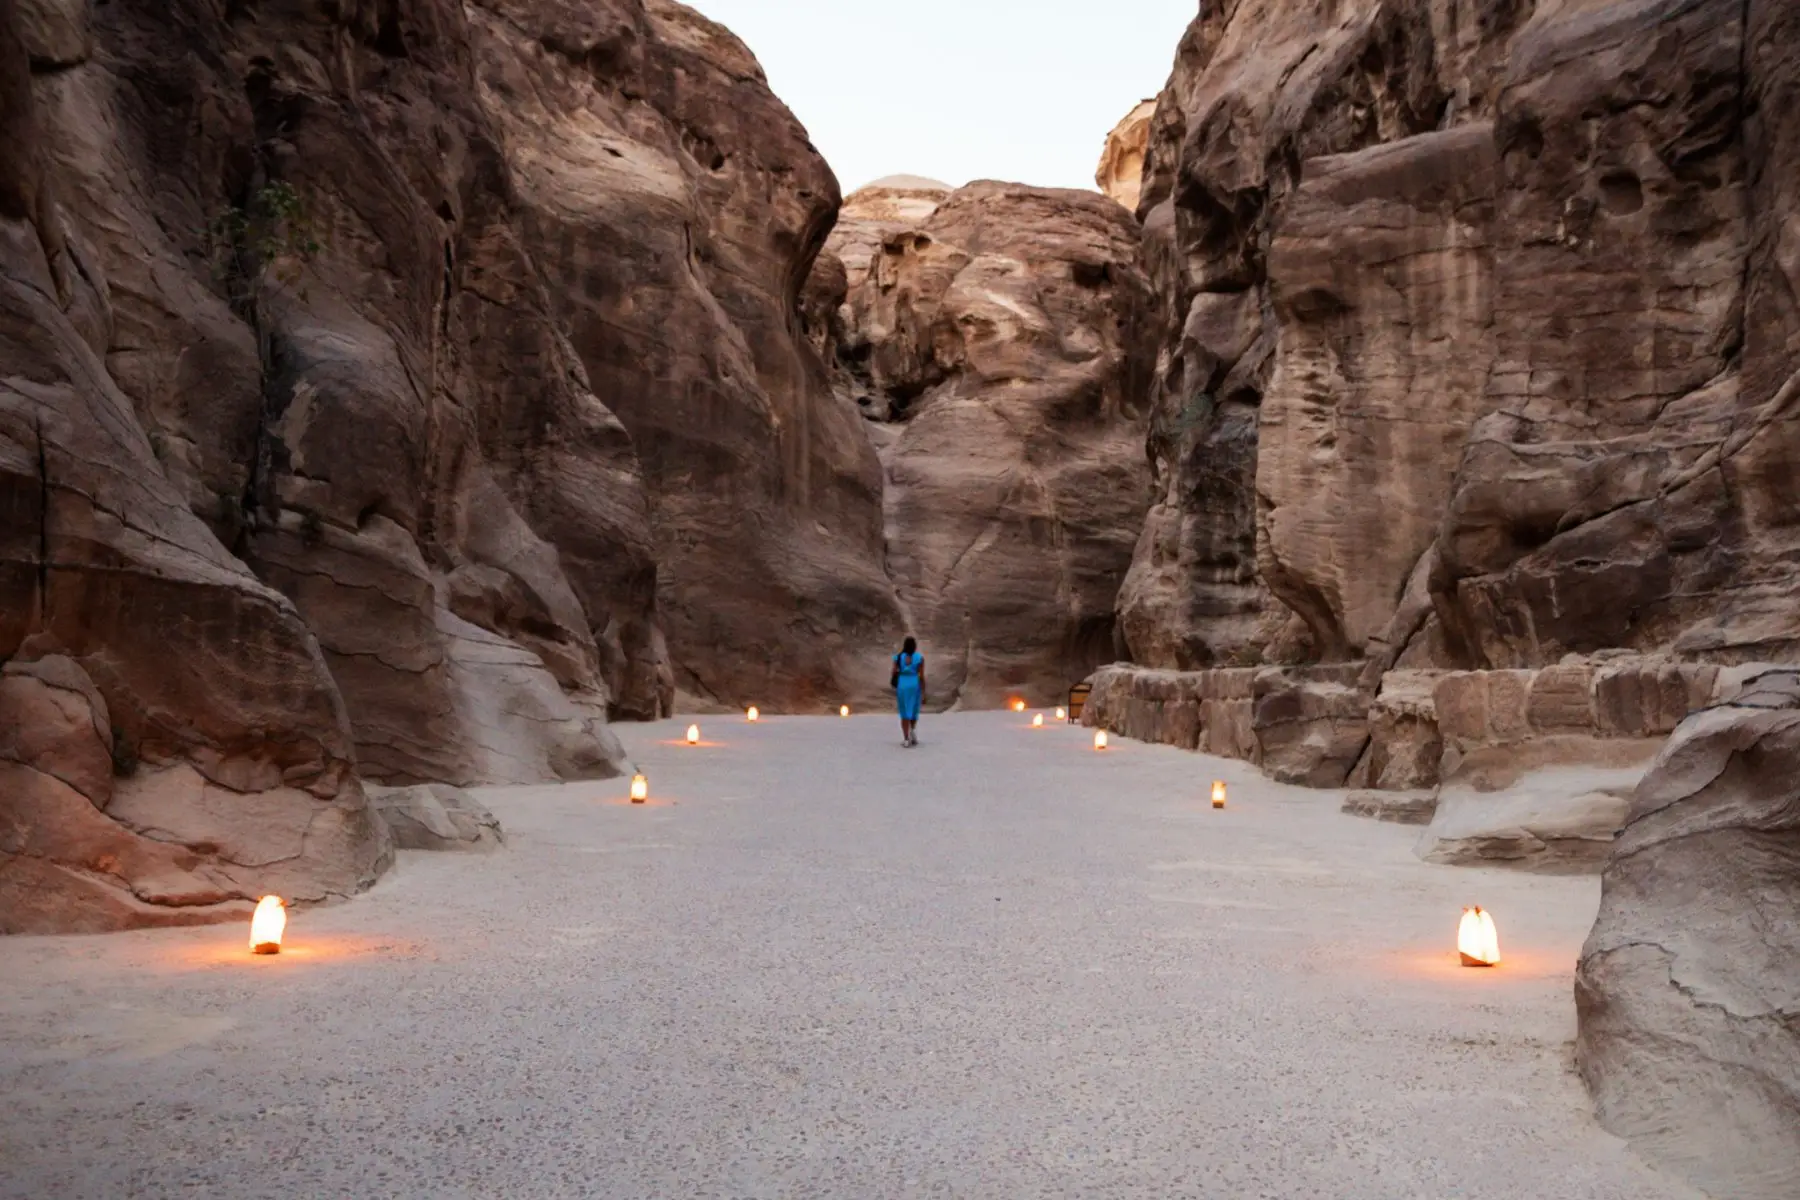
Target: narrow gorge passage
[{"x": 1002, "y": 965}]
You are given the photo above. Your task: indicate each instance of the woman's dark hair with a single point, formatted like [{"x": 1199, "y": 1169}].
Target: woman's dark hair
[{"x": 909, "y": 645}]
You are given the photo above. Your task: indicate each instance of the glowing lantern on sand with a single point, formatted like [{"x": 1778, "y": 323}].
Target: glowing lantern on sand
[
  {"x": 640, "y": 789},
  {"x": 1037, "y": 720},
  {"x": 1476, "y": 938},
  {"x": 1100, "y": 740},
  {"x": 1062, "y": 714},
  {"x": 752, "y": 714},
  {"x": 1016, "y": 704},
  {"x": 693, "y": 735},
  {"x": 1218, "y": 793},
  {"x": 843, "y": 710},
  {"x": 266, "y": 926}
]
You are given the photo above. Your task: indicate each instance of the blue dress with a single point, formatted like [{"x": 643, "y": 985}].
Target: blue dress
[{"x": 908, "y": 692}]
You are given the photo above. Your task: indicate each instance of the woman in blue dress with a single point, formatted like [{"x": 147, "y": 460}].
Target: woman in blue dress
[{"x": 909, "y": 689}]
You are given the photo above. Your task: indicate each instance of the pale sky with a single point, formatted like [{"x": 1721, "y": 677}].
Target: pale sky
[{"x": 1020, "y": 90}]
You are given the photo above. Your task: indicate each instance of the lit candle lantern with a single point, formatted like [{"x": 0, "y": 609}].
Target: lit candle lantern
[
  {"x": 1218, "y": 793},
  {"x": 1476, "y": 938},
  {"x": 752, "y": 714},
  {"x": 640, "y": 789},
  {"x": 1018, "y": 705},
  {"x": 267, "y": 925},
  {"x": 693, "y": 735},
  {"x": 1062, "y": 714},
  {"x": 1100, "y": 740},
  {"x": 1037, "y": 720},
  {"x": 843, "y": 710}
]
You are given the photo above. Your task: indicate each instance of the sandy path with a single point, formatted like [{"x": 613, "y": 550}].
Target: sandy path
[{"x": 998, "y": 966}]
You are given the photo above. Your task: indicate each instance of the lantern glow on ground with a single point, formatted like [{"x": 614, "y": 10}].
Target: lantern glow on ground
[
  {"x": 1476, "y": 938},
  {"x": 843, "y": 710},
  {"x": 693, "y": 735},
  {"x": 1037, "y": 721},
  {"x": 267, "y": 925},
  {"x": 1218, "y": 793},
  {"x": 752, "y": 714},
  {"x": 1016, "y": 704},
  {"x": 1100, "y": 740},
  {"x": 1062, "y": 714},
  {"x": 640, "y": 789}
]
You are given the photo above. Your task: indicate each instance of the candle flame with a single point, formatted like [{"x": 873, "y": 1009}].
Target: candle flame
[
  {"x": 640, "y": 789},
  {"x": 267, "y": 925},
  {"x": 752, "y": 714},
  {"x": 1477, "y": 940},
  {"x": 1218, "y": 795},
  {"x": 1100, "y": 740},
  {"x": 693, "y": 735}
]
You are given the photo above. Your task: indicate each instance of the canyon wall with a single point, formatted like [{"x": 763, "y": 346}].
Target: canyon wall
[
  {"x": 1477, "y": 337},
  {"x": 392, "y": 391},
  {"x": 996, "y": 338}
]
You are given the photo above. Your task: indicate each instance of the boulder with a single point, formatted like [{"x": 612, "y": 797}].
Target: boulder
[
  {"x": 1311, "y": 725},
  {"x": 436, "y": 817},
  {"x": 1553, "y": 819},
  {"x": 1402, "y": 808},
  {"x": 1688, "y": 991}
]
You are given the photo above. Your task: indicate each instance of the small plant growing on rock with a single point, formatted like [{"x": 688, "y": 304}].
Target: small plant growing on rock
[{"x": 272, "y": 234}]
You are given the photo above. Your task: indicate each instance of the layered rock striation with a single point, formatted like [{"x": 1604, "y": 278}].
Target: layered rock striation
[
  {"x": 996, "y": 337},
  {"x": 392, "y": 391}
]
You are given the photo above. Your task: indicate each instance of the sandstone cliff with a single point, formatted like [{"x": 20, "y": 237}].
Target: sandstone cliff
[
  {"x": 996, "y": 337},
  {"x": 378, "y": 384},
  {"x": 1479, "y": 336}
]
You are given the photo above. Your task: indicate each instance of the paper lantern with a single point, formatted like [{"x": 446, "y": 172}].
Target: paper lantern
[
  {"x": 1037, "y": 720},
  {"x": 843, "y": 710},
  {"x": 1100, "y": 740},
  {"x": 267, "y": 925},
  {"x": 1062, "y": 714},
  {"x": 752, "y": 714},
  {"x": 693, "y": 735},
  {"x": 1218, "y": 793},
  {"x": 1476, "y": 938},
  {"x": 640, "y": 789},
  {"x": 1017, "y": 704}
]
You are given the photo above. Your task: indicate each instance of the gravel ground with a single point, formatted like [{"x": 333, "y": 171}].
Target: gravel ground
[{"x": 818, "y": 965}]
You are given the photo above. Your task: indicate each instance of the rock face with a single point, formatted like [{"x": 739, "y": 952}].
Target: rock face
[
  {"x": 378, "y": 383},
  {"x": 1480, "y": 335},
  {"x": 677, "y": 208},
  {"x": 436, "y": 816},
  {"x": 998, "y": 345},
  {"x": 1121, "y": 170},
  {"x": 1688, "y": 993}
]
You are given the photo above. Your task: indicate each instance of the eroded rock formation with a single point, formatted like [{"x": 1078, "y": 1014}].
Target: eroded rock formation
[
  {"x": 998, "y": 342},
  {"x": 378, "y": 383},
  {"x": 1689, "y": 986},
  {"x": 1121, "y": 170},
  {"x": 1479, "y": 336}
]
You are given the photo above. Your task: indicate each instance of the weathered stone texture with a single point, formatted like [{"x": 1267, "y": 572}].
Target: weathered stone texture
[
  {"x": 1001, "y": 346},
  {"x": 1688, "y": 991},
  {"x": 1479, "y": 336}
]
